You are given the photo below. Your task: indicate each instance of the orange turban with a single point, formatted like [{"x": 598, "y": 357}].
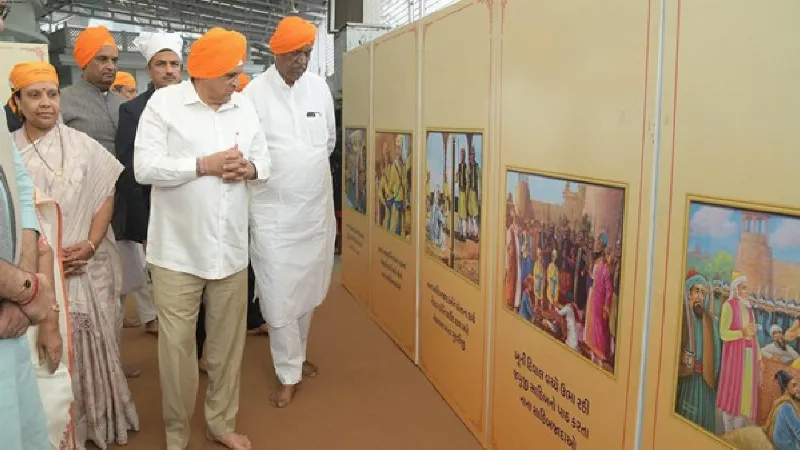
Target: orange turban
[
  {"x": 89, "y": 42},
  {"x": 25, "y": 74},
  {"x": 292, "y": 34},
  {"x": 243, "y": 80},
  {"x": 216, "y": 53},
  {"x": 124, "y": 79}
]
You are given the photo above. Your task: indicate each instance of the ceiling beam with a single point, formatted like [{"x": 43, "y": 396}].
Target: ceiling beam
[
  {"x": 256, "y": 19},
  {"x": 196, "y": 15}
]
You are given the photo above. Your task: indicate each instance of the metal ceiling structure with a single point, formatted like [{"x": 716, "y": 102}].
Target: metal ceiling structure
[{"x": 256, "y": 19}]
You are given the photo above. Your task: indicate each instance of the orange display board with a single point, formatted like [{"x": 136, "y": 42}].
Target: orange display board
[
  {"x": 453, "y": 288},
  {"x": 575, "y": 92},
  {"x": 356, "y": 173},
  {"x": 393, "y": 263},
  {"x": 726, "y": 314}
]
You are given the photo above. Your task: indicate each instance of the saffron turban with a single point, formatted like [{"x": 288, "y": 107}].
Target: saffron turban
[
  {"x": 124, "y": 79},
  {"x": 243, "y": 80},
  {"x": 149, "y": 44},
  {"x": 27, "y": 73},
  {"x": 292, "y": 34},
  {"x": 216, "y": 53},
  {"x": 89, "y": 42}
]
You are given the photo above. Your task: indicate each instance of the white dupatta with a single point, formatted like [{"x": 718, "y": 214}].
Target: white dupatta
[{"x": 55, "y": 389}]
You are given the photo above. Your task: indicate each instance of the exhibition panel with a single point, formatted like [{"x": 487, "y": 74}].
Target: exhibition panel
[
  {"x": 590, "y": 215},
  {"x": 575, "y": 95},
  {"x": 393, "y": 266},
  {"x": 724, "y": 348},
  {"x": 12, "y": 53},
  {"x": 456, "y": 97},
  {"x": 357, "y": 105}
]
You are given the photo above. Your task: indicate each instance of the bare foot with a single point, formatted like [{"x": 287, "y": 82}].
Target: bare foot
[
  {"x": 283, "y": 396},
  {"x": 131, "y": 323},
  {"x": 310, "y": 370},
  {"x": 131, "y": 372},
  {"x": 232, "y": 441},
  {"x": 152, "y": 327}
]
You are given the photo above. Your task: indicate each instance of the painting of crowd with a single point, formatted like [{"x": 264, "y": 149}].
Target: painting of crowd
[
  {"x": 739, "y": 353},
  {"x": 563, "y": 261}
]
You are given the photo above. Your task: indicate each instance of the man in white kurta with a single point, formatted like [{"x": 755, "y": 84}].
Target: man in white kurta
[
  {"x": 196, "y": 143},
  {"x": 292, "y": 221}
]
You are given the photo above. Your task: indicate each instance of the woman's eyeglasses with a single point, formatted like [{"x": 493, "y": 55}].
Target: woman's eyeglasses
[{"x": 4, "y": 10}]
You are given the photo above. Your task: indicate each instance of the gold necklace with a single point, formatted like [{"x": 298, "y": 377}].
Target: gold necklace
[{"x": 60, "y": 171}]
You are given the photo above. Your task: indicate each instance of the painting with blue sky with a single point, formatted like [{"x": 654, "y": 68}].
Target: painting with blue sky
[
  {"x": 718, "y": 228},
  {"x": 742, "y": 265},
  {"x": 542, "y": 189},
  {"x": 563, "y": 260},
  {"x": 453, "y": 217}
]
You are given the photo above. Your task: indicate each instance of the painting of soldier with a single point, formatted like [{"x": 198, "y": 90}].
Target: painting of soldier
[
  {"x": 453, "y": 191},
  {"x": 563, "y": 260}
]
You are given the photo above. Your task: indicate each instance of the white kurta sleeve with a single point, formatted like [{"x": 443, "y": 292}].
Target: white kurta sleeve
[
  {"x": 259, "y": 156},
  {"x": 330, "y": 116},
  {"x": 152, "y": 163}
]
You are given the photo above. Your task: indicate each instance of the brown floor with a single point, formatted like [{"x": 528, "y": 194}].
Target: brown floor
[{"x": 367, "y": 396}]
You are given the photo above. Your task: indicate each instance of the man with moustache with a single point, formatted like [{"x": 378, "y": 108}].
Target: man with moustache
[
  {"x": 698, "y": 369},
  {"x": 88, "y": 105},
  {"x": 163, "y": 53},
  {"x": 779, "y": 349},
  {"x": 196, "y": 145},
  {"x": 293, "y": 225}
]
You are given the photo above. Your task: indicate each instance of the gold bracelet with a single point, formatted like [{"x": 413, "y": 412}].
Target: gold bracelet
[{"x": 94, "y": 249}]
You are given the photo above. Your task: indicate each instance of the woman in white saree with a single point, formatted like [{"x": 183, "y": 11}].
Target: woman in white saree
[{"x": 80, "y": 175}]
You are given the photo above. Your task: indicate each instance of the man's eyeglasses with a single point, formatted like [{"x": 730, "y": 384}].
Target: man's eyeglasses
[{"x": 4, "y": 10}]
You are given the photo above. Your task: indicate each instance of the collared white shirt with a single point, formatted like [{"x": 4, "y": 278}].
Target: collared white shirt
[{"x": 197, "y": 225}]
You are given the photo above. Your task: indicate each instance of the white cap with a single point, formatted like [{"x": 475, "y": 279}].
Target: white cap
[{"x": 149, "y": 44}]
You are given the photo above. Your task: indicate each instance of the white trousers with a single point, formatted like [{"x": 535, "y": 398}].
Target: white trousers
[
  {"x": 288, "y": 346},
  {"x": 144, "y": 303}
]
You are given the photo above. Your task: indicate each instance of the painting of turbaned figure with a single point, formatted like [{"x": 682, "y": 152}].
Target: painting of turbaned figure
[
  {"x": 738, "y": 371},
  {"x": 453, "y": 191},
  {"x": 393, "y": 183},
  {"x": 563, "y": 260}
]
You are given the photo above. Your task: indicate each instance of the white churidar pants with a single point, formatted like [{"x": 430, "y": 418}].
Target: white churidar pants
[
  {"x": 134, "y": 280},
  {"x": 144, "y": 303},
  {"x": 288, "y": 346}
]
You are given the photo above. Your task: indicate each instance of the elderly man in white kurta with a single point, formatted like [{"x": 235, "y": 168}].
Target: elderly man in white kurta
[
  {"x": 292, "y": 222},
  {"x": 197, "y": 142}
]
